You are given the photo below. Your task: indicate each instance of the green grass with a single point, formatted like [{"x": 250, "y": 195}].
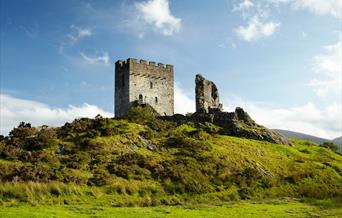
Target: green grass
[
  {"x": 279, "y": 208},
  {"x": 104, "y": 165}
]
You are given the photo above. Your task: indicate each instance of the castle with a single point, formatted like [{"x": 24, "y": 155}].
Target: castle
[
  {"x": 144, "y": 83},
  {"x": 152, "y": 84}
]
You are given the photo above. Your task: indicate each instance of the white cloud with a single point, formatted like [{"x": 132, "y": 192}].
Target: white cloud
[
  {"x": 258, "y": 17},
  {"x": 101, "y": 59},
  {"x": 318, "y": 7},
  {"x": 84, "y": 32},
  {"x": 14, "y": 110},
  {"x": 323, "y": 122},
  {"x": 308, "y": 118},
  {"x": 304, "y": 35},
  {"x": 79, "y": 33},
  {"x": 328, "y": 67},
  {"x": 157, "y": 13},
  {"x": 184, "y": 102},
  {"x": 246, "y": 4},
  {"x": 258, "y": 14},
  {"x": 256, "y": 29}
]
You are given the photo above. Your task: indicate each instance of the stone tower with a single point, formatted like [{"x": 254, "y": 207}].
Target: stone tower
[
  {"x": 207, "y": 96},
  {"x": 143, "y": 82}
]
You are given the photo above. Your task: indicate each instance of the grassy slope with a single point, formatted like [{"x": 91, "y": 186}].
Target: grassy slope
[
  {"x": 284, "y": 208},
  {"x": 188, "y": 167}
]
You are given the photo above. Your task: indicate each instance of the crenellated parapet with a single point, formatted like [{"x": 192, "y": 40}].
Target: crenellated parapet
[{"x": 144, "y": 64}]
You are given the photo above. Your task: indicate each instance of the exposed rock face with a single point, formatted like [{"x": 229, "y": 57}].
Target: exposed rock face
[
  {"x": 237, "y": 123},
  {"x": 207, "y": 96}
]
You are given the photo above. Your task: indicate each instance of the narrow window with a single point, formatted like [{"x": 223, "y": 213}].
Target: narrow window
[
  {"x": 123, "y": 80},
  {"x": 156, "y": 100},
  {"x": 140, "y": 99},
  {"x": 151, "y": 85}
]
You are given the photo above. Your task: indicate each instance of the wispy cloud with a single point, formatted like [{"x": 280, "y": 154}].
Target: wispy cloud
[
  {"x": 321, "y": 7},
  {"x": 318, "y": 7},
  {"x": 258, "y": 14},
  {"x": 98, "y": 59},
  {"x": 256, "y": 29},
  {"x": 259, "y": 24},
  {"x": 246, "y": 4},
  {"x": 328, "y": 67},
  {"x": 304, "y": 35},
  {"x": 31, "y": 31},
  {"x": 78, "y": 33},
  {"x": 14, "y": 110},
  {"x": 158, "y": 14}
]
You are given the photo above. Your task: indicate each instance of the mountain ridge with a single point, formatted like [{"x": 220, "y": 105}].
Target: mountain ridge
[
  {"x": 300, "y": 135},
  {"x": 318, "y": 140}
]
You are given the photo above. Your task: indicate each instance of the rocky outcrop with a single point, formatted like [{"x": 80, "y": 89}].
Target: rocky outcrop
[
  {"x": 240, "y": 124},
  {"x": 237, "y": 123}
]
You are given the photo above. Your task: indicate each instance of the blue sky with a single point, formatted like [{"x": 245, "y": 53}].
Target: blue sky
[{"x": 279, "y": 59}]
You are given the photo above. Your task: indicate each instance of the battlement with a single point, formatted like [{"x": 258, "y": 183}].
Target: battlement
[
  {"x": 133, "y": 62},
  {"x": 144, "y": 81}
]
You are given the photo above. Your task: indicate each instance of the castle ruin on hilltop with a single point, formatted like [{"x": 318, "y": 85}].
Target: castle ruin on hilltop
[
  {"x": 149, "y": 84},
  {"x": 143, "y": 83}
]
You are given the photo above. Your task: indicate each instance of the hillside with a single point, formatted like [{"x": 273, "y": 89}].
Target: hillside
[
  {"x": 317, "y": 140},
  {"x": 141, "y": 160}
]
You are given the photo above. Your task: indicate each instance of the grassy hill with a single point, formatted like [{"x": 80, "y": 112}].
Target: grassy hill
[{"x": 143, "y": 161}]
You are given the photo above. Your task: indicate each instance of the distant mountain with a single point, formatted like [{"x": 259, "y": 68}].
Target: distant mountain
[
  {"x": 338, "y": 141},
  {"x": 298, "y": 135},
  {"x": 318, "y": 140}
]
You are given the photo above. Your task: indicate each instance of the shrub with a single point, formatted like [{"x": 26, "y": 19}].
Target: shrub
[
  {"x": 140, "y": 115},
  {"x": 246, "y": 193},
  {"x": 100, "y": 178},
  {"x": 248, "y": 177},
  {"x": 331, "y": 146}
]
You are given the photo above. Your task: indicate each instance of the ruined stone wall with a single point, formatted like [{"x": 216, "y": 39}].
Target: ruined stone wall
[
  {"x": 207, "y": 96},
  {"x": 121, "y": 90},
  {"x": 148, "y": 82}
]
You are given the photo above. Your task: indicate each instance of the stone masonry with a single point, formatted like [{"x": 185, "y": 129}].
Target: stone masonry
[
  {"x": 207, "y": 97},
  {"x": 145, "y": 83},
  {"x": 237, "y": 123}
]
